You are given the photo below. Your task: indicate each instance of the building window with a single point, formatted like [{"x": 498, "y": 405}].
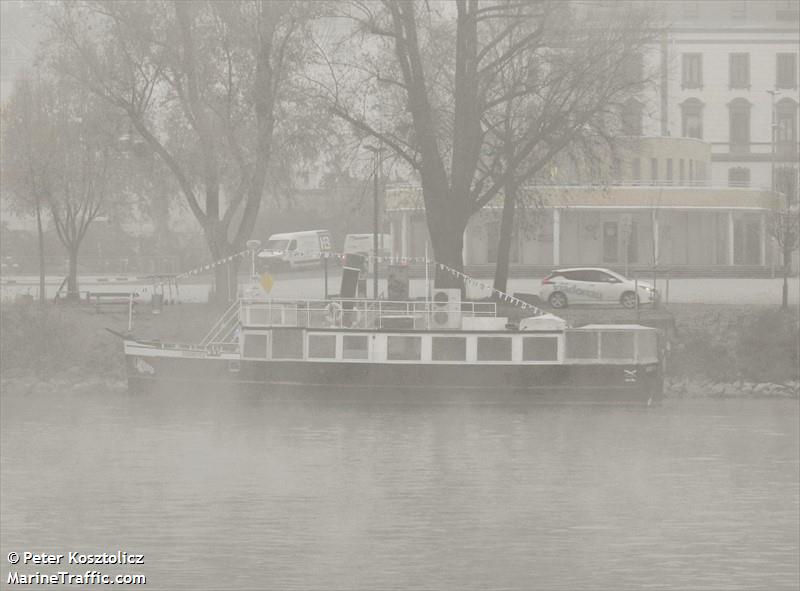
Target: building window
[
  {"x": 786, "y": 70},
  {"x": 692, "y": 70},
  {"x": 669, "y": 170},
  {"x": 739, "y": 70},
  {"x": 786, "y": 129},
  {"x": 636, "y": 169},
  {"x": 739, "y": 9},
  {"x": 691, "y": 170},
  {"x": 654, "y": 169},
  {"x": 739, "y": 114},
  {"x": 692, "y": 118},
  {"x": 739, "y": 177},
  {"x": 690, "y": 9},
  {"x": 632, "y": 117},
  {"x": 787, "y": 10},
  {"x": 681, "y": 171}
]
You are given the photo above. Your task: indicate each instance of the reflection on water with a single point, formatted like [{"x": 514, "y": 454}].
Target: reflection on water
[{"x": 222, "y": 491}]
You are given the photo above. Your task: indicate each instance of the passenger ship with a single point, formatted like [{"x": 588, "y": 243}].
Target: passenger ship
[{"x": 364, "y": 350}]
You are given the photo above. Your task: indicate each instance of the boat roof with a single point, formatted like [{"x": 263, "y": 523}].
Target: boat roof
[
  {"x": 617, "y": 326},
  {"x": 287, "y": 235}
]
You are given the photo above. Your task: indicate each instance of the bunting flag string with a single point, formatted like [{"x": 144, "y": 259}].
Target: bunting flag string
[
  {"x": 389, "y": 260},
  {"x": 483, "y": 286}
]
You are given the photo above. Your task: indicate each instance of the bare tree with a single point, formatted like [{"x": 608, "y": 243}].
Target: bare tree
[
  {"x": 26, "y": 157},
  {"x": 200, "y": 83},
  {"x": 67, "y": 158},
  {"x": 450, "y": 81},
  {"x": 785, "y": 228}
]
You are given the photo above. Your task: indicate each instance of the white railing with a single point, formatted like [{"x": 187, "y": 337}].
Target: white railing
[
  {"x": 361, "y": 314},
  {"x": 224, "y": 329}
]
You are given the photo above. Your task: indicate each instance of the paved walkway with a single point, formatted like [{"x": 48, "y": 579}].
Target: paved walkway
[{"x": 309, "y": 284}]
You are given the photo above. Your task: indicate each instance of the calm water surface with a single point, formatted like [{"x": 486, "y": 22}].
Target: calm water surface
[{"x": 223, "y": 491}]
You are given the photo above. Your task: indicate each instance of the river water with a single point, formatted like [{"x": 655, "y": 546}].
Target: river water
[{"x": 222, "y": 492}]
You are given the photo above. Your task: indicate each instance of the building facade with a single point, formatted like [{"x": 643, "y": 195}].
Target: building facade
[
  {"x": 712, "y": 139},
  {"x": 673, "y": 221}
]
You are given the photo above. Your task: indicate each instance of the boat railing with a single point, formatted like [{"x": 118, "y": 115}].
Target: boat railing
[
  {"x": 360, "y": 314},
  {"x": 224, "y": 329}
]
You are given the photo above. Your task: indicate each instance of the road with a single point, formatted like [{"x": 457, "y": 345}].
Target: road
[{"x": 310, "y": 285}]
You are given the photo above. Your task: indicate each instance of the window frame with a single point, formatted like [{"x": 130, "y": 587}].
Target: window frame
[
  {"x": 366, "y": 349},
  {"x": 484, "y": 339},
  {"x": 558, "y": 348},
  {"x": 734, "y": 70},
  {"x": 313, "y": 335},
  {"x": 689, "y": 81},
  {"x": 791, "y": 69},
  {"x": 739, "y": 107},
  {"x": 692, "y": 107},
  {"x": 743, "y": 181},
  {"x": 391, "y": 359}
]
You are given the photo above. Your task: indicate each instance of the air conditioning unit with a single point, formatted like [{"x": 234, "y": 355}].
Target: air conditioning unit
[{"x": 446, "y": 308}]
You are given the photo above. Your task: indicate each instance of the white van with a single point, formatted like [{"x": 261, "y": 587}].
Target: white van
[
  {"x": 362, "y": 244},
  {"x": 295, "y": 249}
]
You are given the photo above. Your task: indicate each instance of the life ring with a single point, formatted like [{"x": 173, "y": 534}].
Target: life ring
[{"x": 333, "y": 314}]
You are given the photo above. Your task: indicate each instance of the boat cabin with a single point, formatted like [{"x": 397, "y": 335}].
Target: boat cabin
[{"x": 359, "y": 331}]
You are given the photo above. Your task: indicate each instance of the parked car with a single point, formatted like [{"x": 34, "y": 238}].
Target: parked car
[
  {"x": 589, "y": 285},
  {"x": 291, "y": 250}
]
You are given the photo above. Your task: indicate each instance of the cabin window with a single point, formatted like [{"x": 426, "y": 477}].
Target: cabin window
[
  {"x": 494, "y": 349},
  {"x": 287, "y": 343},
  {"x": 355, "y": 347},
  {"x": 322, "y": 346},
  {"x": 581, "y": 345},
  {"x": 540, "y": 349},
  {"x": 403, "y": 348},
  {"x": 648, "y": 347},
  {"x": 255, "y": 346},
  {"x": 616, "y": 345},
  {"x": 449, "y": 349}
]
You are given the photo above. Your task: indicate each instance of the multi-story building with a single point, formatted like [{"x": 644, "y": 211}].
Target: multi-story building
[
  {"x": 730, "y": 77},
  {"x": 695, "y": 189}
]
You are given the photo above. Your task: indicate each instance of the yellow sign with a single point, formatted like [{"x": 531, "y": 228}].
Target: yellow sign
[{"x": 266, "y": 282}]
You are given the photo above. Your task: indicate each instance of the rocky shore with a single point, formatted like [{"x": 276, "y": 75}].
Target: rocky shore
[{"x": 699, "y": 388}]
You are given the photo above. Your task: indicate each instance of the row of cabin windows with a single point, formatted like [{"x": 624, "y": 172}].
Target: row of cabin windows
[
  {"x": 739, "y": 122},
  {"x": 287, "y": 344},
  {"x": 739, "y": 70}
]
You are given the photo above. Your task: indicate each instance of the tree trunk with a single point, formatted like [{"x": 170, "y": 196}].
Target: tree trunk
[
  {"x": 40, "y": 233},
  {"x": 72, "y": 277},
  {"x": 506, "y": 234},
  {"x": 446, "y": 229}
]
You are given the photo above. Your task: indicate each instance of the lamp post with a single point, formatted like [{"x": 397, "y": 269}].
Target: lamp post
[{"x": 375, "y": 226}]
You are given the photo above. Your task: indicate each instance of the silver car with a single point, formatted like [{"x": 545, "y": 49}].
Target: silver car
[{"x": 591, "y": 285}]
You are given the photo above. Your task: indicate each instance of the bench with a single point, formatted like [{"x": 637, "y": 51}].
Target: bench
[{"x": 110, "y": 298}]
